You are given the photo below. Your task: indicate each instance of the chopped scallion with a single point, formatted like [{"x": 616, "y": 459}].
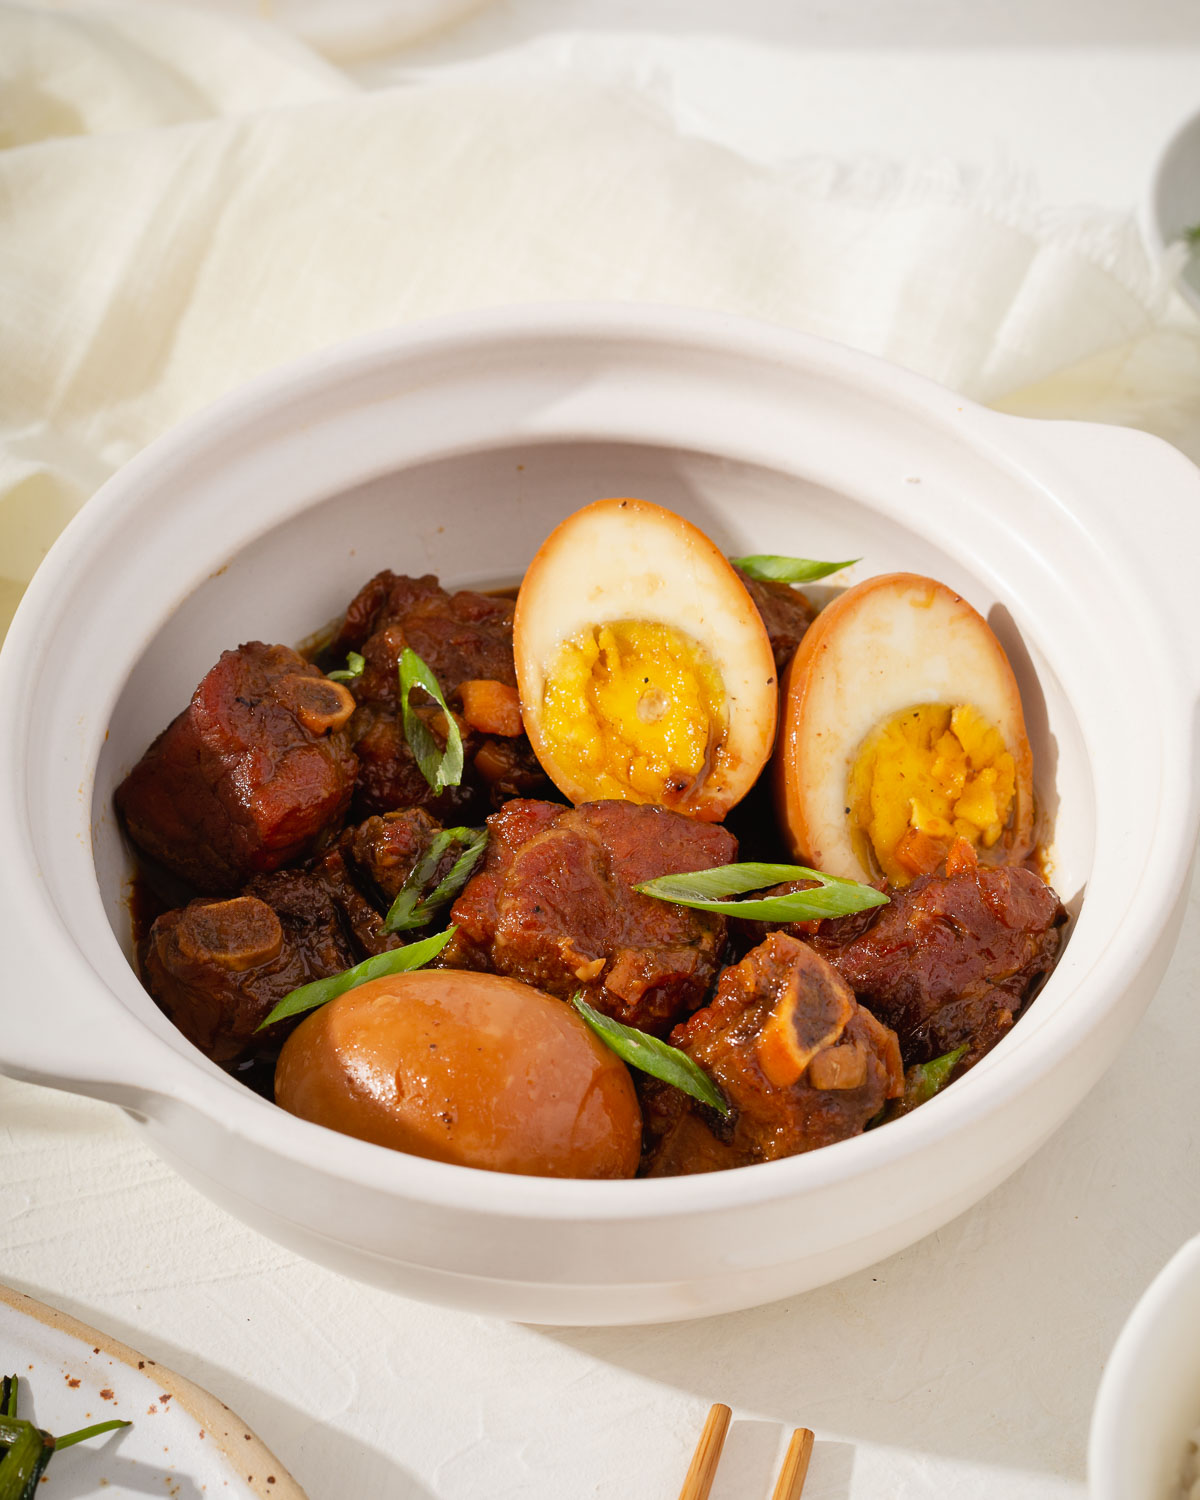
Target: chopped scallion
[
  {"x": 650, "y": 1055},
  {"x": 322, "y": 991},
  {"x": 767, "y": 568},
  {"x": 410, "y": 909},
  {"x": 440, "y": 767},
  {"x": 708, "y": 890},
  {"x": 921, "y": 1082}
]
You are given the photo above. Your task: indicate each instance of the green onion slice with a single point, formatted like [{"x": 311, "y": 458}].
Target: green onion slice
[
  {"x": 440, "y": 768},
  {"x": 707, "y": 890},
  {"x": 25, "y": 1451},
  {"x": 649, "y": 1055},
  {"x": 770, "y": 569},
  {"x": 921, "y": 1082},
  {"x": 321, "y": 991},
  {"x": 351, "y": 671},
  {"x": 410, "y": 909}
]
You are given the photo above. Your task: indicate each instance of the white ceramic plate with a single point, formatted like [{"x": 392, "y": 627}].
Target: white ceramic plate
[{"x": 183, "y": 1441}]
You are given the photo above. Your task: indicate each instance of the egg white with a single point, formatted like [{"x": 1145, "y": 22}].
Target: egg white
[
  {"x": 627, "y": 559},
  {"x": 887, "y": 644}
]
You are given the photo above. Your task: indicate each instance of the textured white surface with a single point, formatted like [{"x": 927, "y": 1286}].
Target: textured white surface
[{"x": 965, "y": 1366}]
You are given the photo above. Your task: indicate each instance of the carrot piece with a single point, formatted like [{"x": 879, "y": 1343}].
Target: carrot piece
[
  {"x": 918, "y": 853},
  {"x": 962, "y": 859},
  {"x": 491, "y": 707}
]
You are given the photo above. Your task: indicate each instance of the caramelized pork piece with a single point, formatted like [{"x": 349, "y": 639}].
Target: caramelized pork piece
[
  {"x": 385, "y": 850},
  {"x": 508, "y": 768},
  {"x": 458, "y": 636},
  {"x": 387, "y": 596},
  {"x": 217, "y": 968},
  {"x": 388, "y": 774},
  {"x": 555, "y": 906},
  {"x": 800, "y": 1062},
  {"x": 466, "y": 641},
  {"x": 333, "y": 876},
  {"x": 786, "y": 613},
  {"x": 953, "y": 958},
  {"x": 389, "y": 777},
  {"x": 254, "y": 773}
]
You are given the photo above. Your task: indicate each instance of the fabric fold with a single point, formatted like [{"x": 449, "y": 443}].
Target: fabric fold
[{"x": 187, "y": 219}]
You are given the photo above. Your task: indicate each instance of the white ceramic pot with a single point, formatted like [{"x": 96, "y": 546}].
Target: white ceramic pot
[
  {"x": 454, "y": 448},
  {"x": 1149, "y": 1400}
]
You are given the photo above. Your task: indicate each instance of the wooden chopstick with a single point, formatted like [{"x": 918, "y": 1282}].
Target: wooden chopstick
[
  {"x": 795, "y": 1466},
  {"x": 707, "y": 1455},
  {"x": 705, "y": 1459}
]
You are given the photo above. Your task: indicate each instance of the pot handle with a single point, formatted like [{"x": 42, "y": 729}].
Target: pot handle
[
  {"x": 1143, "y": 506},
  {"x": 62, "y": 1026}
]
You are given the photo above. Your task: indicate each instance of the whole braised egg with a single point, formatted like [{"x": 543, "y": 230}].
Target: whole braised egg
[
  {"x": 645, "y": 670},
  {"x": 901, "y": 732},
  {"x": 468, "y": 1068}
]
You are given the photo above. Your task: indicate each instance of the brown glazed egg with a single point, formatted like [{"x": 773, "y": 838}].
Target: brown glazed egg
[
  {"x": 467, "y": 1068},
  {"x": 645, "y": 670}
]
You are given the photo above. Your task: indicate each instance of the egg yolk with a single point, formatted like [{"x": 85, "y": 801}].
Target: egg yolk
[
  {"x": 634, "y": 710},
  {"x": 922, "y": 779}
]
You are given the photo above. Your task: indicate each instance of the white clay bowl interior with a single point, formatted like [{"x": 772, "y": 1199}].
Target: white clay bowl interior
[{"x": 455, "y": 448}]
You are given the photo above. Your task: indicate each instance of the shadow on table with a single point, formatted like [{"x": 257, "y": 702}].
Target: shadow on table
[{"x": 986, "y": 1341}]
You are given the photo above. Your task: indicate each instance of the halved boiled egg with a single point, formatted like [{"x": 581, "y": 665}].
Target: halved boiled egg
[
  {"x": 644, "y": 668},
  {"x": 901, "y": 732}
]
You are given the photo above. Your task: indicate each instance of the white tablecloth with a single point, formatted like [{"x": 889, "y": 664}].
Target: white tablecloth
[{"x": 965, "y": 1366}]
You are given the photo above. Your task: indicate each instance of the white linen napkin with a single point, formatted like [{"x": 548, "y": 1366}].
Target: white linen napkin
[{"x": 187, "y": 199}]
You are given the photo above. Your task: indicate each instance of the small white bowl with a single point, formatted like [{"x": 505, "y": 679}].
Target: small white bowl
[
  {"x": 1172, "y": 206},
  {"x": 455, "y": 448},
  {"x": 1148, "y": 1405}
]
